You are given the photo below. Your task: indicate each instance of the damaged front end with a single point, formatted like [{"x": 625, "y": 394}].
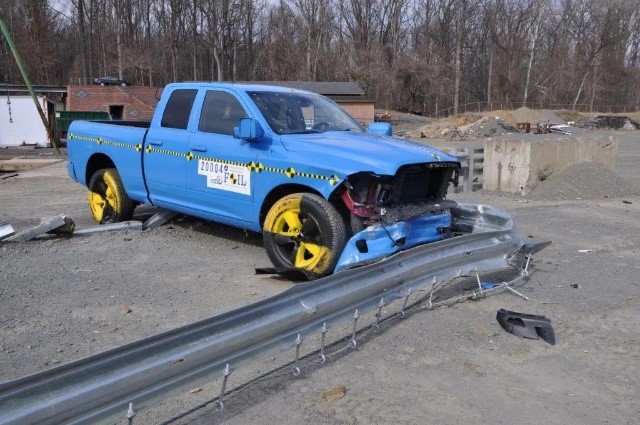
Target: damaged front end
[{"x": 393, "y": 213}]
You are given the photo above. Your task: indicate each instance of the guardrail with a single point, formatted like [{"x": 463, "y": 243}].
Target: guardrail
[
  {"x": 472, "y": 166},
  {"x": 103, "y": 387}
]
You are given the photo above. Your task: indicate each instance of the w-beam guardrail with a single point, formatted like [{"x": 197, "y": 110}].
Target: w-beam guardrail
[
  {"x": 471, "y": 166},
  {"x": 100, "y": 388}
]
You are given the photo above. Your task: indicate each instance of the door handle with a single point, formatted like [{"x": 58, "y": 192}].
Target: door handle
[
  {"x": 198, "y": 148},
  {"x": 155, "y": 142}
]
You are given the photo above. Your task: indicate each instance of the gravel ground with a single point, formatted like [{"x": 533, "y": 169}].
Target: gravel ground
[{"x": 67, "y": 298}]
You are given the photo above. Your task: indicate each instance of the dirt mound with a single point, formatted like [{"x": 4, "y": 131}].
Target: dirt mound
[
  {"x": 586, "y": 180},
  {"x": 443, "y": 127},
  {"x": 487, "y": 127},
  {"x": 610, "y": 122},
  {"x": 529, "y": 115},
  {"x": 462, "y": 120},
  {"x": 502, "y": 114},
  {"x": 495, "y": 123}
]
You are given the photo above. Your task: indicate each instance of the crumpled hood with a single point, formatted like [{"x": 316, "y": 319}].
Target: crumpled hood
[{"x": 350, "y": 152}]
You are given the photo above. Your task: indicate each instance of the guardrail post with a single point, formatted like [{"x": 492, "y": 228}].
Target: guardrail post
[
  {"x": 296, "y": 368},
  {"x": 355, "y": 329},
  {"x": 220, "y": 404},
  {"x": 376, "y": 325},
  {"x": 404, "y": 304},
  {"x": 468, "y": 171},
  {"x": 130, "y": 414},
  {"x": 472, "y": 164},
  {"x": 324, "y": 329}
]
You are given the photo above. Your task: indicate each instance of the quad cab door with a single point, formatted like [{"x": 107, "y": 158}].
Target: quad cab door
[
  {"x": 219, "y": 178},
  {"x": 166, "y": 149}
]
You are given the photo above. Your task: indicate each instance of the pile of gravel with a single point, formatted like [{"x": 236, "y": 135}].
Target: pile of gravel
[
  {"x": 586, "y": 180},
  {"x": 487, "y": 127},
  {"x": 609, "y": 122}
]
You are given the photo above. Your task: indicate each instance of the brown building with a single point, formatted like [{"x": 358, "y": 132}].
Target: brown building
[
  {"x": 138, "y": 103},
  {"x": 126, "y": 103}
]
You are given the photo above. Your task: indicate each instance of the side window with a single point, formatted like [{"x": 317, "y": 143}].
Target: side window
[
  {"x": 176, "y": 113},
  {"x": 220, "y": 113}
]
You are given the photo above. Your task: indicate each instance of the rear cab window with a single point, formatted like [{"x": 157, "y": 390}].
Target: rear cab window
[{"x": 178, "y": 109}]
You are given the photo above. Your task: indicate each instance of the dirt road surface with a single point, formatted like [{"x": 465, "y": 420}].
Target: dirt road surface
[{"x": 62, "y": 299}]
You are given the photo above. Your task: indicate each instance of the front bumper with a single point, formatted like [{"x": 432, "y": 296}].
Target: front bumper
[{"x": 381, "y": 240}]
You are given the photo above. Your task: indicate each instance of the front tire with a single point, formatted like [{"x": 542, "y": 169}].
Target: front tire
[
  {"x": 108, "y": 200},
  {"x": 304, "y": 233}
]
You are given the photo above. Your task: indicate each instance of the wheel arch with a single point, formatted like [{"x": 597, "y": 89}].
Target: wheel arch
[{"x": 96, "y": 162}]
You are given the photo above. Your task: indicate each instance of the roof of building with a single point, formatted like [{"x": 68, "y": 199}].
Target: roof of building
[{"x": 21, "y": 88}]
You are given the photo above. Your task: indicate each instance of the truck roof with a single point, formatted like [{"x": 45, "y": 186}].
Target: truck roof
[{"x": 238, "y": 86}]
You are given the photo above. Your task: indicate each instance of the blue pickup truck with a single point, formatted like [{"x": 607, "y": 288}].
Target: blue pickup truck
[{"x": 326, "y": 193}]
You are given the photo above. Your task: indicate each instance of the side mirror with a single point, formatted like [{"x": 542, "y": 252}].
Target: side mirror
[
  {"x": 248, "y": 129},
  {"x": 381, "y": 128}
]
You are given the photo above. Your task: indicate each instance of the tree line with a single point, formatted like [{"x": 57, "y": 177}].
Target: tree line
[{"x": 419, "y": 55}]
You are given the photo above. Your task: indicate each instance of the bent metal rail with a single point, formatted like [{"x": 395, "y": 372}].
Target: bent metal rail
[{"x": 99, "y": 388}]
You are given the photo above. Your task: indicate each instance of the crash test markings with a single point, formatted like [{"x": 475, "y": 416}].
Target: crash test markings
[{"x": 232, "y": 178}]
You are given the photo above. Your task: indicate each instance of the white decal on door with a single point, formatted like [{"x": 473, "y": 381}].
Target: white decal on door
[{"x": 232, "y": 178}]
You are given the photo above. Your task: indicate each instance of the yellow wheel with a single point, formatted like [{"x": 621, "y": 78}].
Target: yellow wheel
[
  {"x": 108, "y": 201},
  {"x": 304, "y": 233}
]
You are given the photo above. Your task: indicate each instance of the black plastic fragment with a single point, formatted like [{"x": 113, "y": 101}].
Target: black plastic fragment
[
  {"x": 266, "y": 270},
  {"x": 526, "y": 325},
  {"x": 294, "y": 275}
]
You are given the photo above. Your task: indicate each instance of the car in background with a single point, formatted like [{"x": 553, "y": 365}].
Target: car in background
[{"x": 110, "y": 81}]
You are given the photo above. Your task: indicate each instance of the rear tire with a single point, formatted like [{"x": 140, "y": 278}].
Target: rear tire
[
  {"x": 304, "y": 233},
  {"x": 108, "y": 200}
]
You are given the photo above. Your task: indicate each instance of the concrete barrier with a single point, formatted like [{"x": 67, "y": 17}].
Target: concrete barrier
[{"x": 518, "y": 166}]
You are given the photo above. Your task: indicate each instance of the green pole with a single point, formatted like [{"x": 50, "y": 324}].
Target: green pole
[{"x": 27, "y": 82}]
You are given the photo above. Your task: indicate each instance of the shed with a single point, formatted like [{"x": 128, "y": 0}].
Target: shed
[{"x": 20, "y": 122}]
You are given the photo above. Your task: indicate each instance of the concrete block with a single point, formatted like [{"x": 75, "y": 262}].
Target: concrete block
[{"x": 518, "y": 165}]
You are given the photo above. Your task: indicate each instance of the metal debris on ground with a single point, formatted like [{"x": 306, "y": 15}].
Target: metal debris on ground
[
  {"x": 66, "y": 229},
  {"x": 132, "y": 225},
  {"x": 60, "y": 221},
  {"x": 552, "y": 128},
  {"x": 158, "y": 219},
  {"x": 6, "y": 230}
]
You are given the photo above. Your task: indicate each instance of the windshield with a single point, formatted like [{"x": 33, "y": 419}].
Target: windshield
[{"x": 300, "y": 113}]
